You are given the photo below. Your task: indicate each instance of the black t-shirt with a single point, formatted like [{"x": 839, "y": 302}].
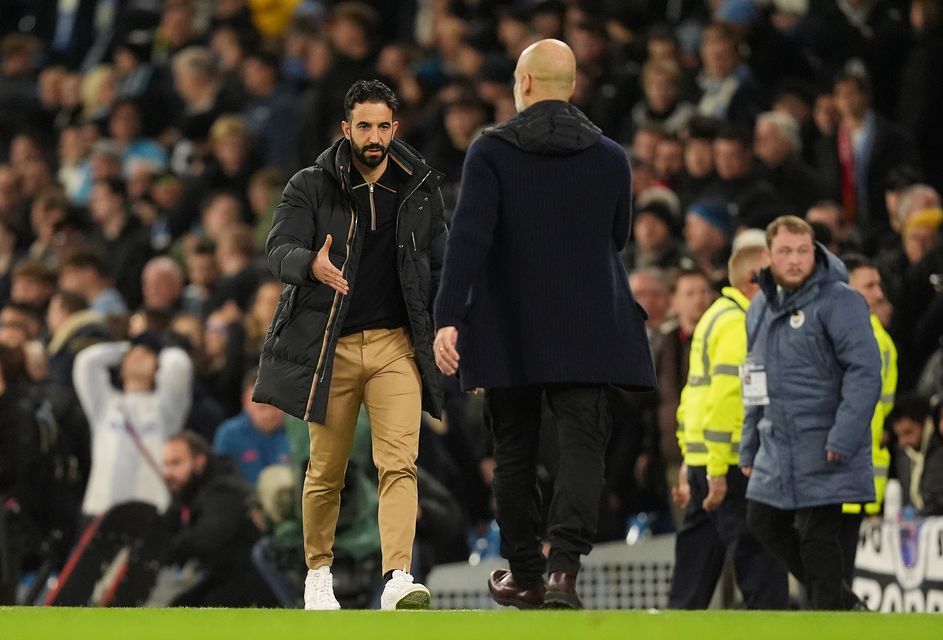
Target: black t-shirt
[{"x": 376, "y": 298}]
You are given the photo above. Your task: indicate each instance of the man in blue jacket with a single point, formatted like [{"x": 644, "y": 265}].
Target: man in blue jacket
[
  {"x": 810, "y": 384},
  {"x": 535, "y": 301}
]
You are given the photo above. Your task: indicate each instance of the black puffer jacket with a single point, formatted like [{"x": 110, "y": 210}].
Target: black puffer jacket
[{"x": 298, "y": 353}]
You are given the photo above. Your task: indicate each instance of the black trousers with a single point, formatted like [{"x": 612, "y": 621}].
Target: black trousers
[
  {"x": 848, "y": 539},
  {"x": 807, "y": 542},
  {"x": 582, "y": 422},
  {"x": 706, "y": 539}
]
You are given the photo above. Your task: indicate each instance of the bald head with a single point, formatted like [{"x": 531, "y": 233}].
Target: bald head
[{"x": 546, "y": 70}]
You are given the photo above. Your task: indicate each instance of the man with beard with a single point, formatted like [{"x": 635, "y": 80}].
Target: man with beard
[
  {"x": 211, "y": 524},
  {"x": 358, "y": 241},
  {"x": 810, "y": 383}
]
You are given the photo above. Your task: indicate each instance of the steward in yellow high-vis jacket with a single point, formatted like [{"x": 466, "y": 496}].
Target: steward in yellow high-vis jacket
[
  {"x": 863, "y": 276},
  {"x": 712, "y": 488}
]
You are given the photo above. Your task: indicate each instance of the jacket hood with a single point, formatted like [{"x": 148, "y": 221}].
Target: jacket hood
[
  {"x": 336, "y": 159},
  {"x": 549, "y": 127},
  {"x": 828, "y": 268}
]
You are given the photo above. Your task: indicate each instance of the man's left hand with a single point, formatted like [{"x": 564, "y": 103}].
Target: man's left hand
[
  {"x": 446, "y": 355},
  {"x": 716, "y": 492},
  {"x": 831, "y": 456}
]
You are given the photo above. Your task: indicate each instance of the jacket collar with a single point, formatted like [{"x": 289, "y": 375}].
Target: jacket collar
[
  {"x": 736, "y": 296},
  {"x": 828, "y": 268},
  {"x": 336, "y": 161}
]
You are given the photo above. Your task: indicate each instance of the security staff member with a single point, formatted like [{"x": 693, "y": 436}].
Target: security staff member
[
  {"x": 712, "y": 488},
  {"x": 864, "y": 277}
]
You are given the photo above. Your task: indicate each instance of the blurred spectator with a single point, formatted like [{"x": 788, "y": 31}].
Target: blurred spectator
[
  {"x": 227, "y": 169},
  {"x": 8, "y": 259},
  {"x": 123, "y": 242},
  {"x": 85, "y": 273},
  {"x": 727, "y": 88},
  {"x": 130, "y": 423},
  {"x": 73, "y": 326},
  {"x": 654, "y": 240},
  {"x": 829, "y": 214},
  {"x": 750, "y": 197},
  {"x": 124, "y": 127},
  {"x": 211, "y": 523},
  {"x": 47, "y": 213},
  {"x": 198, "y": 83},
  {"x": 162, "y": 285},
  {"x": 651, "y": 290},
  {"x": 691, "y": 295},
  {"x": 669, "y": 161},
  {"x": 708, "y": 230},
  {"x": 856, "y": 159},
  {"x": 239, "y": 269},
  {"x": 778, "y": 145},
  {"x": 33, "y": 283},
  {"x": 219, "y": 371},
  {"x": 260, "y": 315},
  {"x": 201, "y": 273},
  {"x": 270, "y": 111},
  {"x": 26, "y": 320},
  {"x": 255, "y": 438},
  {"x": 662, "y": 104},
  {"x": 921, "y": 99},
  {"x": 918, "y": 453},
  {"x": 265, "y": 190}
]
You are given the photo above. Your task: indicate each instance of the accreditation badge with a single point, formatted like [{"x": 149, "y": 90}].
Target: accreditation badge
[{"x": 753, "y": 384}]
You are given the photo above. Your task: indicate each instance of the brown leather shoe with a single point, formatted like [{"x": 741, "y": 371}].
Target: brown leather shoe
[
  {"x": 506, "y": 591},
  {"x": 561, "y": 592}
]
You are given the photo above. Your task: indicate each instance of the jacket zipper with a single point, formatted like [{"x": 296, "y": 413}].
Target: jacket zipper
[
  {"x": 329, "y": 329},
  {"x": 373, "y": 210}
]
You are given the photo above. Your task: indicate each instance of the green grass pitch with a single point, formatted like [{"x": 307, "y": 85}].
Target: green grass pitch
[{"x": 231, "y": 624}]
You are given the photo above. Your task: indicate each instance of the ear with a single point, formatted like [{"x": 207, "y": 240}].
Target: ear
[
  {"x": 345, "y": 128},
  {"x": 527, "y": 81},
  {"x": 395, "y": 127}
]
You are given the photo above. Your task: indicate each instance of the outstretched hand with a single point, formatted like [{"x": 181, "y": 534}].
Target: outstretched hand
[{"x": 324, "y": 271}]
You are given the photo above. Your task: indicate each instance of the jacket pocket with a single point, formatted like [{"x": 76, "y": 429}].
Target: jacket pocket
[{"x": 284, "y": 310}]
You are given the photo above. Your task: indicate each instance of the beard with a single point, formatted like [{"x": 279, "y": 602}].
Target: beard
[{"x": 370, "y": 161}]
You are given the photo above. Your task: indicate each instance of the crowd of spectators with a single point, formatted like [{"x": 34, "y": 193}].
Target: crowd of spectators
[{"x": 144, "y": 143}]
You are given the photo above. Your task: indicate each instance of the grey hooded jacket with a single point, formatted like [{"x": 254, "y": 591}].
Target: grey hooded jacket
[{"x": 823, "y": 371}]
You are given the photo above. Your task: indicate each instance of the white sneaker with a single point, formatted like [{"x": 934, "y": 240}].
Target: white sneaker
[
  {"x": 402, "y": 593},
  {"x": 319, "y": 591}
]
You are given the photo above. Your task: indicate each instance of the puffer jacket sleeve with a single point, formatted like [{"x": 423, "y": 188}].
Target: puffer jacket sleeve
[
  {"x": 437, "y": 245},
  {"x": 847, "y": 322},
  {"x": 289, "y": 245}
]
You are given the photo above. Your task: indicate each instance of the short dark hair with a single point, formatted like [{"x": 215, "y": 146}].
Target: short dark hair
[
  {"x": 855, "y": 261},
  {"x": 680, "y": 274},
  {"x": 910, "y": 405},
  {"x": 196, "y": 443},
  {"x": 35, "y": 269},
  {"x": 369, "y": 91},
  {"x": 736, "y": 133},
  {"x": 12, "y": 364},
  {"x": 86, "y": 260},
  {"x": 856, "y": 76},
  {"x": 115, "y": 185},
  {"x": 71, "y": 301}
]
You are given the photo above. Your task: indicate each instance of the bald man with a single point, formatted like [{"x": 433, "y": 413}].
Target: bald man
[{"x": 533, "y": 305}]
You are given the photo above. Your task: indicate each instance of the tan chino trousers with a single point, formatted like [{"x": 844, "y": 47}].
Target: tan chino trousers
[{"x": 376, "y": 368}]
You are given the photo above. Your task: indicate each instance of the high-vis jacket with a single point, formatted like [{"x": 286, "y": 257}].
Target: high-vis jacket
[
  {"x": 710, "y": 415},
  {"x": 880, "y": 455}
]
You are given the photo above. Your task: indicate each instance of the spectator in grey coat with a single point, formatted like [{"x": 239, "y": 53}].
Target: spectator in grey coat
[{"x": 810, "y": 384}]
